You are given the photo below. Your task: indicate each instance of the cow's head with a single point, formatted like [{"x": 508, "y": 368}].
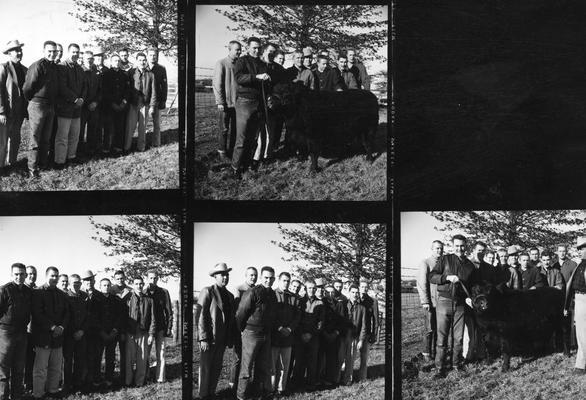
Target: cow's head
[
  {"x": 485, "y": 297},
  {"x": 285, "y": 95}
]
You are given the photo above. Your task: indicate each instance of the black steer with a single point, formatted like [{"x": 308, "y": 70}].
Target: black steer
[
  {"x": 317, "y": 120},
  {"x": 520, "y": 322}
]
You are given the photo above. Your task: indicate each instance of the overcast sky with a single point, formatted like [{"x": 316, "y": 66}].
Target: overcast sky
[
  {"x": 239, "y": 245},
  {"x": 61, "y": 241},
  {"x": 212, "y": 37},
  {"x": 33, "y": 22}
]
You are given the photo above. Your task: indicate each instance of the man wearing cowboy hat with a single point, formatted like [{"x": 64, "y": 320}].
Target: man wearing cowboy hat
[
  {"x": 12, "y": 103},
  {"x": 75, "y": 343},
  {"x": 576, "y": 289},
  {"x": 216, "y": 327},
  {"x": 95, "y": 326},
  {"x": 509, "y": 274},
  {"x": 50, "y": 318}
]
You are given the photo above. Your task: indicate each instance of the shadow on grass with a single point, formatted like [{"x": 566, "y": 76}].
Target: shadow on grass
[{"x": 375, "y": 371}]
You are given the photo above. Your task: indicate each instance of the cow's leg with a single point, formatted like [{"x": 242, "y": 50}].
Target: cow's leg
[
  {"x": 506, "y": 355},
  {"x": 313, "y": 155},
  {"x": 367, "y": 139}
]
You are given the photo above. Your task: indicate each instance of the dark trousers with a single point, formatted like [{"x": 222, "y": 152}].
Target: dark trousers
[
  {"x": 94, "y": 352},
  {"x": 277, "y": 122},
  {"x": 328, "y": 358},
  {"x": 210, "y": 368},
  {"x": 306, "y": 361},
  {"x": 30, "y": 361},
  {"x": 122, "y": 350},
  {"x": 227, "y": 130},
  {"x": 248, "y": 117},
  {"x": 114, "y": 129},
  {"x": 235, "y": 369},
  {"x": 257, "y": 355},
  {"x": 74, "y": 361},
  {"x": 109, "y": 348},
  {"x": 448, "y": 315},
  {"x": 569, "y": 330},
  {"x": 41, "y": 119},
  {"x": 52, "y": 140},
  {"x": 430, "y": 327},
  {"x": 12, "y": 361},
  {"x": 90, "y": 134},
  {"x": 476, "y": 345}
]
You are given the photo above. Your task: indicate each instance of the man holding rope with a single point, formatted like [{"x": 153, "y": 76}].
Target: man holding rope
[{"x": 452, "y": 273}]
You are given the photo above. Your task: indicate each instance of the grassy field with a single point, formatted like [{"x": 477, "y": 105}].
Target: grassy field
[
  {"x": 156, "y": 168},
  {"x": 545, "y": 378},
  {"x": 349, "y": 178},
  {"x": 170, "y": 390},
  {"x": 372, "y": 389}
]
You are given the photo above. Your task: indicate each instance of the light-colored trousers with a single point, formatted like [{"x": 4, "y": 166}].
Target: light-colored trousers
[
  {"x": 136, "y": 353},
  {"x": 280, "y": 367},
  {"x": 66, "y": 139},
  {"x": 136, "y": 115},
  {"x": 47, "y": 370},
  {"x": 210, "y": 367},
  {"x": 352, "y": 354},
  {"x": 156, "y": 138},
  {"x": 364, "y": 360},
  {"x": 10, "y": 140},
  {"x": 160, "y": 344},
  {"x": 580, "y": 319}
]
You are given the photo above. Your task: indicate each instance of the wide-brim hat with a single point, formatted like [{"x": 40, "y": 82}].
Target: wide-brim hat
[
  {"x": 307, "y": 52},
  {"x": 87, "y": 274},
  {"x": 219, "y": 268},
  {"x": 319, "y": 282},
  {"x": 512, "y": 250},
  {"x": 580, "y": 242},
  {"x": 98, "y": 51},
  {"x": 13, "y": 44}
]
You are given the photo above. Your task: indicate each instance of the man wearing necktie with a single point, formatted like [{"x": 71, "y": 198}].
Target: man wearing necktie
[
  {"x": 140, "y": 333},
  {"x": 12, "y": 104},
  {"x": 216, "y": 327},
  {"x": 143, "y": 100},
  {"x": 50, "y": 316}
]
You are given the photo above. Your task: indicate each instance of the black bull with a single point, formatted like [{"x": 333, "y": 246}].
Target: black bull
[
  {"x": 517, "y": 322},
  {"x": 316, "y": 120}
]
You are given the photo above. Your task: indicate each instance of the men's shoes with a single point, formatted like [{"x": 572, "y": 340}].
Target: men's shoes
[
  {"x": 34, "y": 174},
  {"x": 441, "y": 374},
  {"x": 56, "y": 395},
  {"x": 254, "y": 165},
  {"x": 234, "y": 174}
]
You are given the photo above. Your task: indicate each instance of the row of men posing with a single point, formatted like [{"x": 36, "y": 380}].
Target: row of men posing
[
  {"x": 439, "y": 293},
  {"x": 55, "y": 337},
  {"x": 64, "y": 101},
  {"x": 278, "y": 334},
  {"x": 240, "y": 82}
]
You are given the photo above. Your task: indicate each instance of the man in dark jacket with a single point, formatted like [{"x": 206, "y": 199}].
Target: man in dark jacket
[
  {"x": 531, "y": 277},
  {"x": 163, "y": 320},
  {"x": 371, "y": 306},
  {"x": 101, "y": 134},
  {"x": 15, "y": 313},
  {"x": 449, "y": 274},
  {"x": 95, "y": 327},
  {"x": 50, "y": 318},
  {"x": 140, "y": 333},
  {"x": 347, "y": 76},
  {"x": 359, "y": 329},
  {"x": 358, "y": 69},
  {"x": 255, "y": 319},
  {"x": 115, "y": 89},
  {"x": 40, "y": 88},
  {"x": 12, "y": 104},
  {"x": 160, "y": 74},
  {"x": 123, "y": 292},
  {"x": 112, "y": 322},
  {"x": 216, "y": 329},
  {"x": 90, "y": 111},
  {"x": 75, "y": 344},
  {"x": 72, "y": 96},
  {"x": 143, "y": 102},
  {"x": 306, "y": 348},
  {"x": 287, "y": 319},
  {"x": 30, "y": 282},
  {"x": 251, "y": 76},
  {"x": 326, "y": 77},
  {"x": 567, "y": 267}
]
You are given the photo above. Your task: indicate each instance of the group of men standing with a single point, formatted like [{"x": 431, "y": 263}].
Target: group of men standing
[
  {"x": 249, "y": 132},
  {"x": 440, "y": 282},
  {"x": 77, "y": 100},
  {"x": 53, "y": 337},
  {"x": 282, "y": 335}
]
